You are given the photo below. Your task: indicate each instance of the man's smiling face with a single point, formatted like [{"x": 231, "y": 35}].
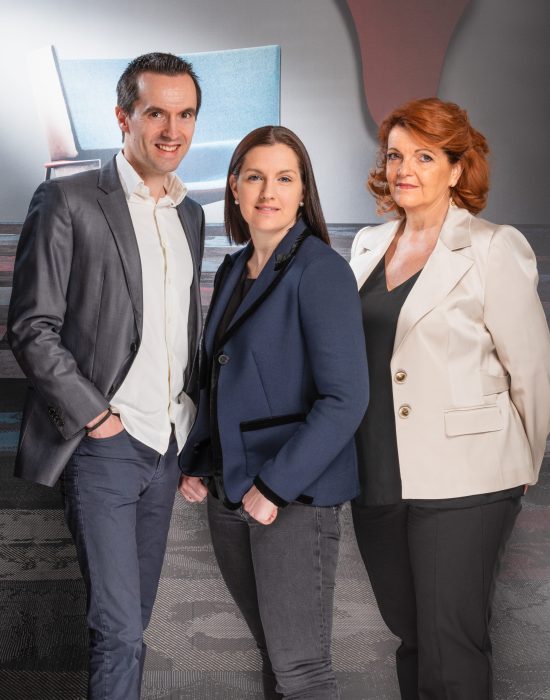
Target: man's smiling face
[{"x": 158, "y": 132}]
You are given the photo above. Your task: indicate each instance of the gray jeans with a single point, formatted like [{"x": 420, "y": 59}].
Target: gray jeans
[{"x": 282, "y": 578}]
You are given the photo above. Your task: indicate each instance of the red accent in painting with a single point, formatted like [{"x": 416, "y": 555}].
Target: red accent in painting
[{"x": 403, "y": 46}]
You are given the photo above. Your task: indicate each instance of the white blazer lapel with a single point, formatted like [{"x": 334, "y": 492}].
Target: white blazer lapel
[
  {"x": 369, "y": 246},
  {"x": 442, "y": 272}
]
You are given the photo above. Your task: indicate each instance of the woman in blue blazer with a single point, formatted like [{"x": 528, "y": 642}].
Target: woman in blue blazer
[{"x": 283, "y": 387}]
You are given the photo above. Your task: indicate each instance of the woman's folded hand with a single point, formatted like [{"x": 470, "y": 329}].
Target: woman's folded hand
[{"x": 259, "y": 507}]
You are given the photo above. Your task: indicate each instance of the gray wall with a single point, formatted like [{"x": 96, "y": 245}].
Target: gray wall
[{"x": 498, "y": 67}]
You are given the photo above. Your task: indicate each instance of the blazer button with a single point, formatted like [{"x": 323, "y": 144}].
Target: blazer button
[
  {"x": 400, "y": 376},
  {"x": 404, "y": 411},
  {"x": 223, "y": 359}
]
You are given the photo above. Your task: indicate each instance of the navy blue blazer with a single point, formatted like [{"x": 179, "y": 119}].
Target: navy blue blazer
[{"x": 285, "y": 389}]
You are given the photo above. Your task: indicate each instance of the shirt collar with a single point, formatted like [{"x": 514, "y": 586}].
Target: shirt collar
[{"x": 133, "y": 184}]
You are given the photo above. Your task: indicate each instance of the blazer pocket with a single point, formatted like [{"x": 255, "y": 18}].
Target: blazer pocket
[
  {"x": 468, "y": 421},
  {"x": 264, "y": 437}
]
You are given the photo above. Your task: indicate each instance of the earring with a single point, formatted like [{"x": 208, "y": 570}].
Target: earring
[
  {"x": 301, "y": 204},
  {"x": 237, "y": 202},
  {"x": 452, "y": 202}
]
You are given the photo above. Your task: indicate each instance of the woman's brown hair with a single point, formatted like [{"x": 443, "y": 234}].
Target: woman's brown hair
[{"x": 235, "y": 226}]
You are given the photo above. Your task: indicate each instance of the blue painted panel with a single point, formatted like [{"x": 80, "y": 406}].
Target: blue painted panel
[
  {"x": 240, "y": 92},
  {"x": 8, "y": 441},
  {"x": 9, "y": 431},
  {"x": 90, "y": 92},
  {"x": 12, "y": 418}
]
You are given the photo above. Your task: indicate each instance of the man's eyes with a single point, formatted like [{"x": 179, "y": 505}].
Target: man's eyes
[{"x": 160, "y": 115}]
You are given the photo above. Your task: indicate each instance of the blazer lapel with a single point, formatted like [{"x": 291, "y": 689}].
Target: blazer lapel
[
  {"x": 112, "y": 201},
  {"x": 442, "y": 272},
  {"x": 190, "y": 233},
  {"x": 371, "y": 247},
  {"x": 268, "y": 278},
  {"x": 228, "y": 276}
]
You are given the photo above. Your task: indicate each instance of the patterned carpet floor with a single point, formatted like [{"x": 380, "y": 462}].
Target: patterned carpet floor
[{"x": 199, "y": 648}]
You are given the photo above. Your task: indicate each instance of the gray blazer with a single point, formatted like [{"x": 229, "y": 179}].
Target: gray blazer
[{"x": 76, "y": 311}]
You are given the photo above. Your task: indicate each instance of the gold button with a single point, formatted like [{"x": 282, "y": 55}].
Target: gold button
[
  {"x": 404, "y": 411},
  {"x": 400, "y": 376}
]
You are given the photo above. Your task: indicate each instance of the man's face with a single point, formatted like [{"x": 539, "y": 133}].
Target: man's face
[{"x": 158, "y": 133}]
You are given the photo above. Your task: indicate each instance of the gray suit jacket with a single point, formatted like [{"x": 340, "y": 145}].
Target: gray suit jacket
[{"x": 76, "y": 311}]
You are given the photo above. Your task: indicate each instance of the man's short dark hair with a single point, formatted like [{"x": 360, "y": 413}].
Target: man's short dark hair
[{"x": 127, "y": 89}]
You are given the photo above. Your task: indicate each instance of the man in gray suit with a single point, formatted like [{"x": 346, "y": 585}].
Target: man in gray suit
[{"x": 104, "y": 319}]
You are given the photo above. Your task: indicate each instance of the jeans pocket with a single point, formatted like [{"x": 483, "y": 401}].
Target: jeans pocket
[
  {"x": 112, "y": 447},
  {"x": 110, "y": 438}
]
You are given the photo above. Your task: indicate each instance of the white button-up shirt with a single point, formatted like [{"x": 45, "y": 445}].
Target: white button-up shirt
[{"x": 151, "y": 397}]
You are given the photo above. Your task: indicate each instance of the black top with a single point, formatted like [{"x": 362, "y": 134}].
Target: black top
[
  {"x": 376, "y": 438},
  {"x": 243, "y": 286}
]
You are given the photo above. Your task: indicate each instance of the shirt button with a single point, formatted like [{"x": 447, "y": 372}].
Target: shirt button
[
  {"x": 223, "y": 359},
  {"x": 404, "y": 411},
  {"x": 400, "y": 376}
]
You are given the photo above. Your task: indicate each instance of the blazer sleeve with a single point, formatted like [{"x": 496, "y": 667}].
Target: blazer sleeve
[
  {"x": 515, "y": 318},
  {"x": 332, "y": 327},
  {"x": 37, "y": 309}
]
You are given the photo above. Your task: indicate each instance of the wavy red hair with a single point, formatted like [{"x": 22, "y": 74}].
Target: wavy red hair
[{"x": 443, "y": 125}]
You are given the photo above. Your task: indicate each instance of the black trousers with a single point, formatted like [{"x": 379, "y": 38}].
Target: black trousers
[{"x": 433, "y": 573}]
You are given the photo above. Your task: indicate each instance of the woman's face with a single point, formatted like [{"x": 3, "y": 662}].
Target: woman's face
[
  {"x": 419, "y": 176},
  {"x": 269, "y": 189}
]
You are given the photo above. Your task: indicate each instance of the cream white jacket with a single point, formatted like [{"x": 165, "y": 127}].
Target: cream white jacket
[{"x": 471, "y": 360}]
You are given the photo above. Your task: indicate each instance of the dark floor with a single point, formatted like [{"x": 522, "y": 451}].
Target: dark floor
[{"x": 199, "y": 649}]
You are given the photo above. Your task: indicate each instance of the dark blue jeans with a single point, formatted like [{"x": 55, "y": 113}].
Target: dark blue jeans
[
  {"x": 282, "y": 578},
  {"x": 118, "y": 496}
]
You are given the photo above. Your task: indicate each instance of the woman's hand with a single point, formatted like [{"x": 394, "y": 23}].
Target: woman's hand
[
  {"x": 259, "y": 507},
  {"x": 192, "y": 489}
]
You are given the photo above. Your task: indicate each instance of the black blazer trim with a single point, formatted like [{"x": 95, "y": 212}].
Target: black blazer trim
[
  {"x": 218, "y": 283},
  {"x": 264, "y": 489},
  {"x": 260, "y": 423},
  {"x": 281, "y": 266},
  {"x": 224, "y": 268}
]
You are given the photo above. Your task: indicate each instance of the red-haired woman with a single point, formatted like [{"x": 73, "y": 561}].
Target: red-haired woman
[{"x": 459, "y": 365}]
